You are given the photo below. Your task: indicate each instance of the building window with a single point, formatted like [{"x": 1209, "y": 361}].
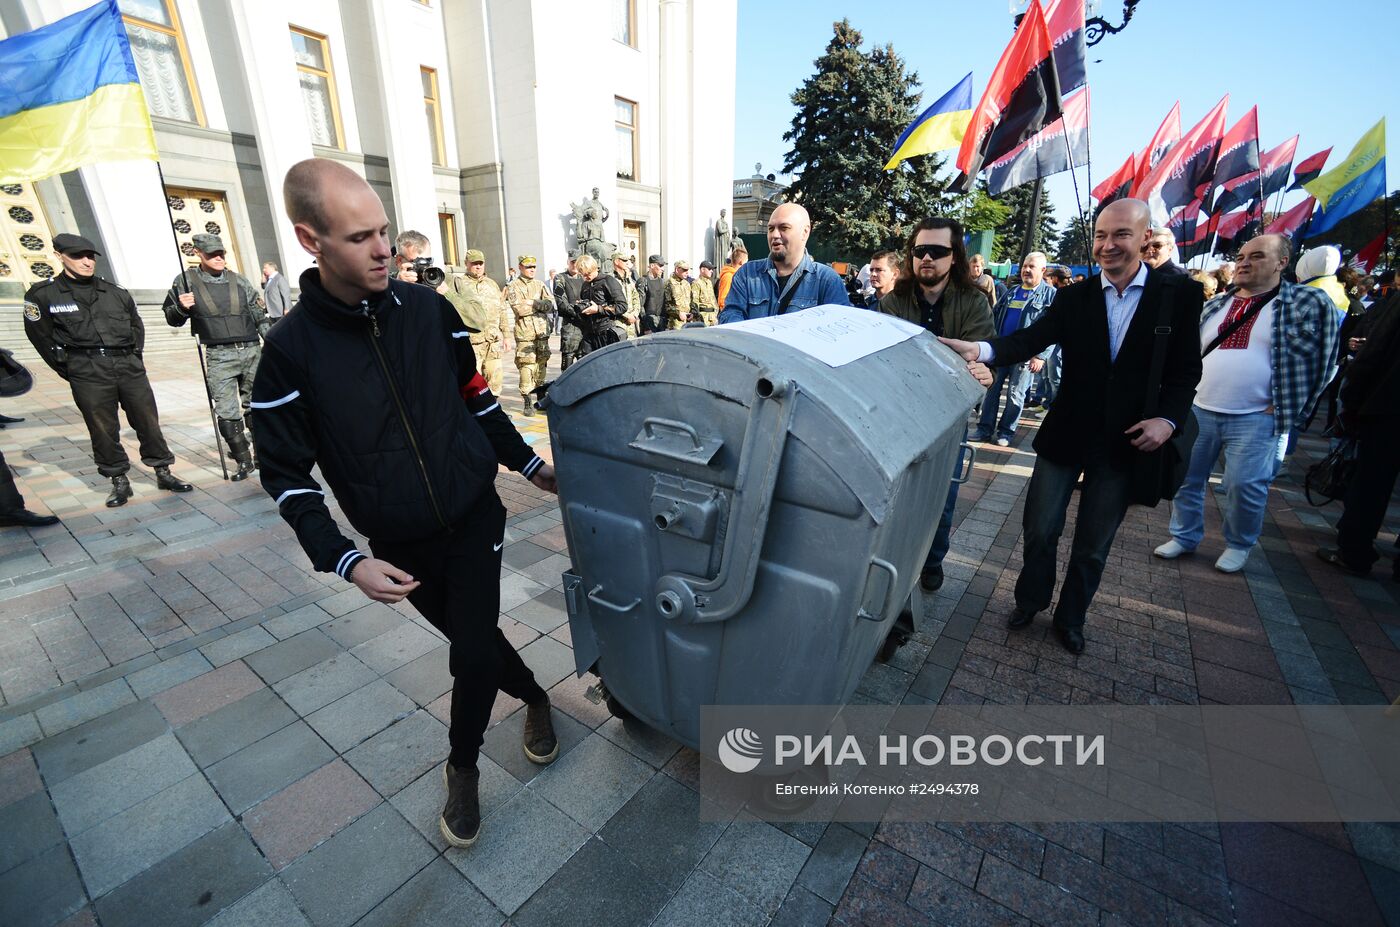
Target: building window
[
  {"x": 626, "y": 116},
  {"x": 434, "y": 112},
  {"x": 625, "y": 22},
  {"x": 162, "y": 60},
  {"x": 447, "y": 231},
  {"x": 313, "y": 57}
]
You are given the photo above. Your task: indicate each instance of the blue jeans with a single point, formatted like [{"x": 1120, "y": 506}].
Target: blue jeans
[
  {"x": 1253, "y": 455},
  {"x": 1102, "y": 504},
  {"x": 1047, "y": 382},
  {"x": 1017, "y": 378},
  {"x": 939, "y": 550}
]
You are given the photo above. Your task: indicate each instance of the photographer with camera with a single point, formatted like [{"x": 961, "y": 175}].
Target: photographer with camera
[
  {"x": 413, "y": 260},
  {"x": 601, "y": 309}
]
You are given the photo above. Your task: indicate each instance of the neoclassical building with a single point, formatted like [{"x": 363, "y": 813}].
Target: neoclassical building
[{"x": 479, "y": 122}]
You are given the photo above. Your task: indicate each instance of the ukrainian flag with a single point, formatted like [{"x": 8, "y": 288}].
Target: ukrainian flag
[
  {"x": 1352, "y": 185},
  {"x": 939, "y": 128},
  {"x": 69, "y": 96}
]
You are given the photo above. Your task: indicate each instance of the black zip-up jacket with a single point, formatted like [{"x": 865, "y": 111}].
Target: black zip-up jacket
[{"x": 386, "y": 399}]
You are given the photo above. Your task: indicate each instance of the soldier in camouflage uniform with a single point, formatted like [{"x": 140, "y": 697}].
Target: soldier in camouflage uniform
[
  {"x": 678, "y": 297},
  {"x": 529, "y": 299},
  {"x": 702, "y": 294},
  {"x": 479, "y": 301},
  {"x": 227, "y": 314}
]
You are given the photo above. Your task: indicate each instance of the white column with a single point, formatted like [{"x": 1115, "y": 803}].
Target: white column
[
  {"x": 398, "y": 32},
  {"x": 279, "y": 116},
  {"x": 677, "y": 239}
]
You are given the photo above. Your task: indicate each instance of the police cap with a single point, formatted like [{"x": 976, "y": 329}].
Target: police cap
[
  {"x": 68, "y": 243},
  {"x": 657, "y": 259}
]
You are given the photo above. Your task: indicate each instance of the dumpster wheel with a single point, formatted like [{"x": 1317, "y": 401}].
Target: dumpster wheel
[
  {"x": 764, "y": 796},
  {"x": 599, "y": 693},
  {"x": 900, "y": 633},
  {"x": 615, "y": 708}
]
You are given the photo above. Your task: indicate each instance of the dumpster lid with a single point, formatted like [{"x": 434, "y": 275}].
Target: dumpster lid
[{"x": 834, "y": 335}]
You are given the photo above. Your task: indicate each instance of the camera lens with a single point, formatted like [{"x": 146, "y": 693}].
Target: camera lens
[{"x": 433, "y": 276}]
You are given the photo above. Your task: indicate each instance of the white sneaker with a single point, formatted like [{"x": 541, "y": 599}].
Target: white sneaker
[
  {"x": 1171, "y": 550},
  {"x": 1232, "y": 561},
  {"x": 1003, "y": 442}
]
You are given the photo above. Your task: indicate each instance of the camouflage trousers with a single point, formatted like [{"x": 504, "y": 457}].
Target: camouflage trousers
[
  {"x": 231, "y": 368},
  {"x": 532, "y": 360},
  {"x": 488, "y": 362},
  {"x": 708, "y": 316}
]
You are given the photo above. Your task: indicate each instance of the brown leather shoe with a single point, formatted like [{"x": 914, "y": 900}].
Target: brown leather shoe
[{"x": 539, "y": 741}]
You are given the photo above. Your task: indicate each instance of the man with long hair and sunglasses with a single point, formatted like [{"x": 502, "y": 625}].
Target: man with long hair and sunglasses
[{"x": 936, "y": 290}]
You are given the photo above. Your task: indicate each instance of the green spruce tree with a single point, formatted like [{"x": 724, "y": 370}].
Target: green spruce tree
[
  {"x": 1075, "y": 242},
  {"x": 849, "y": 116},
  {"x": 1013, "y": 234}
]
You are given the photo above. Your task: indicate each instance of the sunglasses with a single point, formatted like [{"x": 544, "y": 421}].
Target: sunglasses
[{"x": 937, "y": 252}]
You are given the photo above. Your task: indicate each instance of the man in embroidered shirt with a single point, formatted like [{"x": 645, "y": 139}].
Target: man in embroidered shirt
[{"x": 1259, "y": 383}]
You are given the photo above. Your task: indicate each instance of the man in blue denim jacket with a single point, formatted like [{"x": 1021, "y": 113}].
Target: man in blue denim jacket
[{"x": 788, "y": 273}]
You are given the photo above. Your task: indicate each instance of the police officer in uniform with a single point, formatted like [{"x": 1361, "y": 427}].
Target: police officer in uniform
[
  {"x": 568, "y": 290},
  {"x": 702, "y": 294},
  {"x": 678, "y": 297},
  {"x": 529, "y": 300},
  {"x": 228, "y": 317},
  {"x": 88, "y": 330},
  {"x": 478, "y": 300},
  {"x": 653, "y": 292}
]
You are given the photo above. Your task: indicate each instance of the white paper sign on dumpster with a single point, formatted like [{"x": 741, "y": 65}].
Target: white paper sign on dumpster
[{"x": 834, "y": 335}]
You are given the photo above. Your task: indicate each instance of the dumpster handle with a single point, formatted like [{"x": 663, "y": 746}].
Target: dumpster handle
[
  {"x": 594, "y": 596},
  {"x": 966, "y": 470},
  {"x": 889, "y": 590},
  {"x": 686, "y": 598}
]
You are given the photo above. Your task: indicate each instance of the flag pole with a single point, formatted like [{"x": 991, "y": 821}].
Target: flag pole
[
  {"x": 1078, "y": 203},
  {"x": 199, "y": 348}
]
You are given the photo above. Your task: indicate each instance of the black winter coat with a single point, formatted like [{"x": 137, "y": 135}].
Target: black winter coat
[{"x": 386, "y": 399}]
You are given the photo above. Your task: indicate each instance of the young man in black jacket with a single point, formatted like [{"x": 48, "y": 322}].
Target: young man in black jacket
[{"x": 375, "y": 381}]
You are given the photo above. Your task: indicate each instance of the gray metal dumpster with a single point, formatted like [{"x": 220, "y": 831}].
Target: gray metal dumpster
[{"x": 745, "y": 520}]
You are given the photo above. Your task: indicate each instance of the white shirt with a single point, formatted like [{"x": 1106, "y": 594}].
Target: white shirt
[
  {"x": 1121, "y": 309},
  {"x": 1238, "y": 381}
]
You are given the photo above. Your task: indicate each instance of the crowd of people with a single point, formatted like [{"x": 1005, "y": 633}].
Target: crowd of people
[{"x": 1147, "y": 376}]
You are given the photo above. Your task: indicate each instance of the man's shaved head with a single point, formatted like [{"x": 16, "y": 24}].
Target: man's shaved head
[
  {"x": 788, "y": 229},
  {"x": 339, "y": 220},
  {"x": 303, "y": 192},
  {"x": 1135, "y": 212},
  {"x": 1120, "y": 231}
]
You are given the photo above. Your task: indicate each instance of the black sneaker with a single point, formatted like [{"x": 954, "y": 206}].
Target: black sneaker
[
  {"x": 461, "y": 816},
  {"x": 539, "y": 741},
  {"x": 931, "y": 579}
]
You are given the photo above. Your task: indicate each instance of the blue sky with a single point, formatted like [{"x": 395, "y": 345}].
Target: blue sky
[{"x": 1322, "y": 70}]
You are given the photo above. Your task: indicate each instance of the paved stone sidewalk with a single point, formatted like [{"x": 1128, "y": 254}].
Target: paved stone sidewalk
[{"x": 197, "y": 729}]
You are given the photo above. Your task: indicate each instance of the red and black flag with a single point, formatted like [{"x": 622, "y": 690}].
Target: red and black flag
[
  {"x": 1309, "y": 169},
  {"x": 1167, "y": 135},
  {"x": 1065, "y": 20},
  {"x": 1183, "y": 224},
  {"x": 1239, "y": 227},
  {"x": 1061, "y": 146},
  {"x": 1291, "y": 221},
  {"x": 1271, "y": 177},
  {"x": 1118, "y": 184},
  {"x": 1199, "y": 241},
  {"x": 1239, "y": 149},
  {"x": 1022, "y": 97},
  {"x": 1187, "y": 167}
]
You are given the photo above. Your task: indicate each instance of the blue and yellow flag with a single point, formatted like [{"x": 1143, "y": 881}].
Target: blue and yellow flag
[
  {"x": 1352, "y": 185},
  {"x": 939, "y": 127},
  {"x": 69, "y": 96}
]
